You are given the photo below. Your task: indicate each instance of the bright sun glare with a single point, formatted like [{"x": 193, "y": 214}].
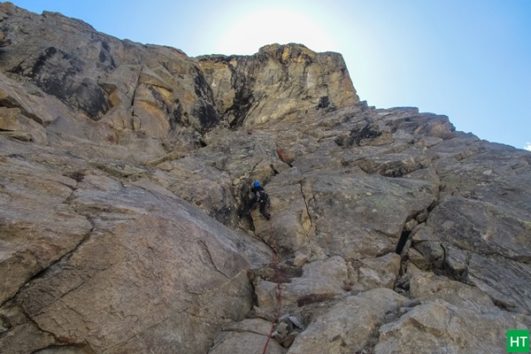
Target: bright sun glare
[{"x": 263, "y": 26}]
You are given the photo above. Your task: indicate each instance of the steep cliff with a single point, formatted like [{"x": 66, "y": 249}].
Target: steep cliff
[
  {"x": 124, "y": 173},
  {"x": 276, "y": 82}
]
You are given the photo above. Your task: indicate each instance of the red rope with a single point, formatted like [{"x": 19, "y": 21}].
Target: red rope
[{"x": 278, "y": 291}]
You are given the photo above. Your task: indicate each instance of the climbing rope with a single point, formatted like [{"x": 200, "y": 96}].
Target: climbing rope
[{"x": 278, "y": 289}]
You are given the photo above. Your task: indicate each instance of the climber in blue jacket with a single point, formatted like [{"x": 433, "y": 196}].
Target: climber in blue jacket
[
  {"x": 251, "y": 196},
  {"x": 260, "y": 196}
]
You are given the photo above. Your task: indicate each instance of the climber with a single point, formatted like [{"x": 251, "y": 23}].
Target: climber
[
  {"x": 260, "y": 196},
  {"x": 252, "y": 194}
]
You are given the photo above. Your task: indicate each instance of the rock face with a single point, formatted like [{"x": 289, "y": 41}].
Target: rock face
[
  {"x": 347, "y": 326},
  {"x": 124, "y": 175},
  {"x": 114, "y": 265},
  {"x": 269, "y": 85}
]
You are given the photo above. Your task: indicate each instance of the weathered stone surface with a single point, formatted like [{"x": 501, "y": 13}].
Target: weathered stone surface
[
  {"x": 242, "y": 343},
  {"x": 484, "y": 243},
  {"x": 115, "y": 157},
  {"x": 506, "y": 281},
  {"x": 438, "y": 327},
  {"x": 427, "y": 286},
  {"x": 12, "y": 121},
  {"x": 200, "y": 184},
  {"x": 482, "y": 228},
  {"x": 290, "y": 227},
  {"x": 36, "y": 223},
  {"x": 156, "y": 87},
  {"x": 380, "y": 272},
  {"x": 149, "y": 265},
  {"x": 362, "y": 215},
  {"x": 320, "y": 281},
  {"x": 284, "y": 72},
  {"x": 347, "y": 326},
  {"x": 139, "y": 248},
  {"x": 418, "y": 259},
  {"x": 409, "y": 120},
  {"x": 247, "y": 336},
  {"x": 18, "y": 335}
]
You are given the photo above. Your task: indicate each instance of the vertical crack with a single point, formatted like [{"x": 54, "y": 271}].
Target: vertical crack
[
  {"x": 404, "y": 237},
  {"x": 205, "y": 248},
  {"x": 305, "y": 202},
  {"x": 304, "y": 198},
  {"x": 134, "y": 91}
]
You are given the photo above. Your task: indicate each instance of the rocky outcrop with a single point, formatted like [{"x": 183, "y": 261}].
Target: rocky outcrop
[
  {"x": 348, "y": 326},
  {"x": 121, "y": 88},
  {"x": 90, "y": 261},
  {"x": 124, "y": 175},
  {"x": 276, "y": 82},
  {"x": 439, "y": 327},
  {"x": 247, "y": 336}
]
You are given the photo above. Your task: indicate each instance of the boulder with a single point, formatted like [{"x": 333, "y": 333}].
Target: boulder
[
  {"x": 348, "y": 326},
  {"x": 320, "y": 281},
  {"x": 247, "y": 336},
  {"x": 438, "y": 327},
  {"x": 485, "y": 244},
  {"x": 427, "y": 286},
  {"x": 380, "y": 272}
]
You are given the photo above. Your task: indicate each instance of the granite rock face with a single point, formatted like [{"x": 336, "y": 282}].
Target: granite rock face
[
  {"x": 88, "y": 259},
  {"x": 252, "y": 91},
  {"x": 125, "y": 227}
]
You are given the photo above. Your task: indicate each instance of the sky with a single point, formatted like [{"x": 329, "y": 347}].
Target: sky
[{"x": 467, "y": 59}]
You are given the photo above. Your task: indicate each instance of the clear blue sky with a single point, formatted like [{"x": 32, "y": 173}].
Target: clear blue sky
[{"x": 468, "y": 59}]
